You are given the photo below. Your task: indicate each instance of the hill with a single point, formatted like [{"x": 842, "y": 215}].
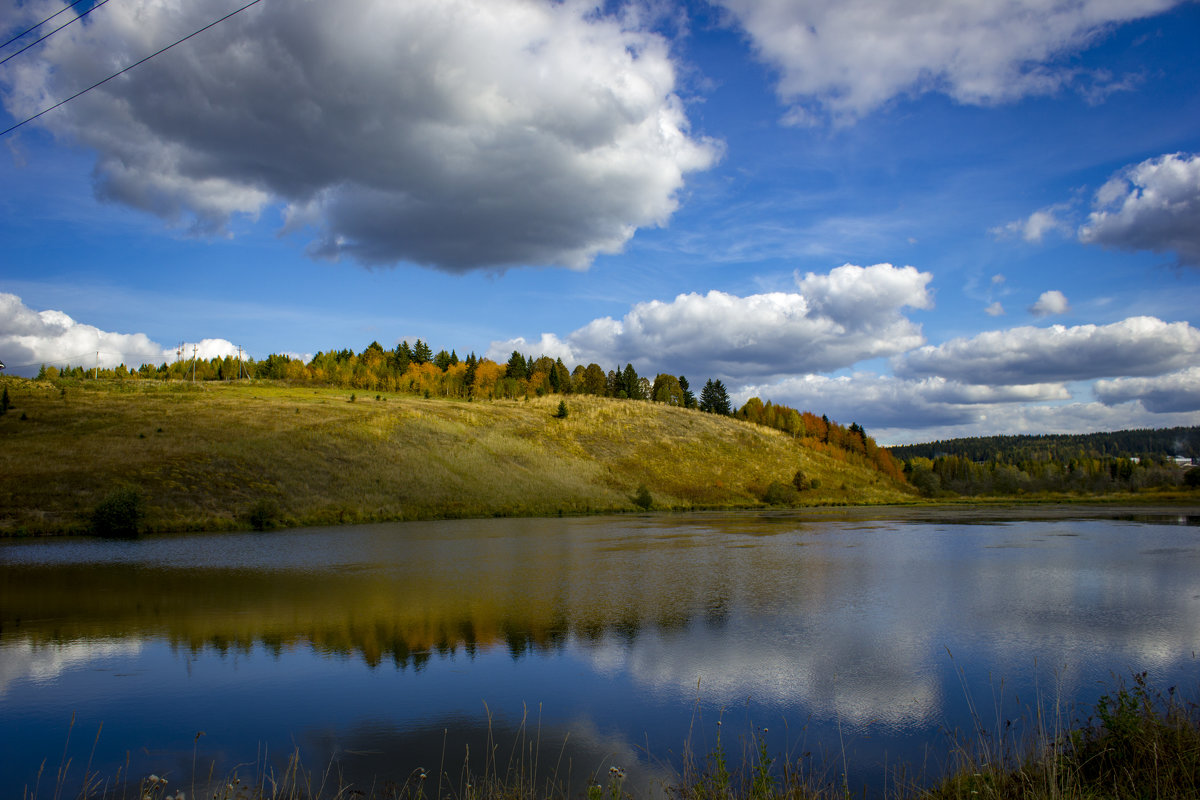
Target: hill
[{"x": 220, "y": 455}]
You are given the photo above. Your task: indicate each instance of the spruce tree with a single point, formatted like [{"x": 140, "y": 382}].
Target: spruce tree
[
  {"x": 707, "y": 397},
  {"x": 721, "y": 404},
  {"x": 630, "y": 383},
  {"x": 516, "y": 367},
  {"x": 689, "y": 398}
]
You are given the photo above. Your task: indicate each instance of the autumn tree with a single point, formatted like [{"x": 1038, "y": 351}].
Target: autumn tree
[
  {"x": 594, "y": 381},
  {"x": 667, "y": 390}
]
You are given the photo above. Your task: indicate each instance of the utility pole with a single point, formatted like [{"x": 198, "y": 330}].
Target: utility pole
[
  {"x": 194, "y": 363},
  {"x": 239, "y": 362},
  {"x": 96, "y": 371}
]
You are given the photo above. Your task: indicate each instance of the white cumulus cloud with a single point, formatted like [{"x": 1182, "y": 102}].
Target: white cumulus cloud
[
  {"x": 458, "y": 134},
  {"x": 1137, "y": 346},
  {"x": 31, "y": 338},
  {"x": 1050, "y": 303},
  {"x": 1175, "y": 392},
  {"x": 1154, "y": 205},
  {"x": 1034, "y": 228},
  {"x": 833, "y": 320},
  {"x": 848, "y": 57}
]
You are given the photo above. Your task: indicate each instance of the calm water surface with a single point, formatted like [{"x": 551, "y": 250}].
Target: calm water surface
[{"x": 607, "y": 641}]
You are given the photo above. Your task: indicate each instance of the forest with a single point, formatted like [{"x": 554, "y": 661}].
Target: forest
[{"x": 1092, "y": 463}]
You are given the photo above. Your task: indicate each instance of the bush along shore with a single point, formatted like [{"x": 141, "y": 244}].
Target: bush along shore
[{"x": 1137, "y": 742}]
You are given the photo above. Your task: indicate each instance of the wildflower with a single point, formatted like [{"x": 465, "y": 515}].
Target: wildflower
[{"x": 153, "y": 779}]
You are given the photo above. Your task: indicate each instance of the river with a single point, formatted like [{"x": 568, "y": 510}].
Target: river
[{"x": 858, "y": 642}]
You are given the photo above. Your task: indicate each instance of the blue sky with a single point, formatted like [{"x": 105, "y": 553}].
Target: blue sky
[{"x": 936, "y": 219}]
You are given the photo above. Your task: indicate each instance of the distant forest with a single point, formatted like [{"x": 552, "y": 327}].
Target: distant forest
[
  {"x": 1093, "y": 463},
  {"x": 1062, "y": 447}
]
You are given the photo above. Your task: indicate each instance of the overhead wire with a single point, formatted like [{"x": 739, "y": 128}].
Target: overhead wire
[
  {"x": 40, "y": 24},
  {"x": 36, "y": 42},
  {"x": 98, "y": 84}
]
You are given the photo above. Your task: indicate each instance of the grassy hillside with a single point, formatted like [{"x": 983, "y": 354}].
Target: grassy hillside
[{"x": 204, "y": 456}]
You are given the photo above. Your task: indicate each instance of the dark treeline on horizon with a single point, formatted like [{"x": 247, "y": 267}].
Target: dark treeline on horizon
[
  {"x": 1093, "y": 463},
  {"x": 1062, "y": 446}
]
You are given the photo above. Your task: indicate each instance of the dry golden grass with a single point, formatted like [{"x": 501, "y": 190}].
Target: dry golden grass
[{"x": 204, "y": 455}]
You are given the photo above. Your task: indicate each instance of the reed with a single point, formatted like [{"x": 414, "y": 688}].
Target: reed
[{"x": 1137, "y": 742}]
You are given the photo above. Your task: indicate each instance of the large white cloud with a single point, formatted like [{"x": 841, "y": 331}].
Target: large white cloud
[
  {"x": 833, "y": 321},
  {"x": 1178, "y": 391},
  {"x": 848, "y": 57},
  {"x": 459, "y": 134},
  {"x": 1154, "y": 205},
  {"x": 31, "y": 338},
  {"x": 1137, "y": 346}
]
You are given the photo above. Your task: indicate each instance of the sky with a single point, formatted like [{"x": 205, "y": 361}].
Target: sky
[{"x": 935, "y": 218}]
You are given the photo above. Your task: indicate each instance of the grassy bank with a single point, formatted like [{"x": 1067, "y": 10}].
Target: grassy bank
[{"x": 219, "y": 455}]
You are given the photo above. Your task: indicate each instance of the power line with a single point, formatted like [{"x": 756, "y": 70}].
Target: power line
[
  {"x": 40, "y": 24},
  {"x": 48, "y": 35},
  {"x": 131, "y": 66}
]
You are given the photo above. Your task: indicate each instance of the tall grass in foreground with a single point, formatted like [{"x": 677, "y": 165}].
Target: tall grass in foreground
[{"x": 1137, "y": 743}]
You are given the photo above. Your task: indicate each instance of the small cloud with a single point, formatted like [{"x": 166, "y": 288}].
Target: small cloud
[
  {"x": 1051, "y": 302},
  {"x": 997, "y": 279},
  {"x": 995, "y": 309},
  {"x": 1033, "y": 229}
]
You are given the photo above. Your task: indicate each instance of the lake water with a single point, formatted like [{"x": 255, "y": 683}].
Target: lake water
[{"x": 567, "y": 646}]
